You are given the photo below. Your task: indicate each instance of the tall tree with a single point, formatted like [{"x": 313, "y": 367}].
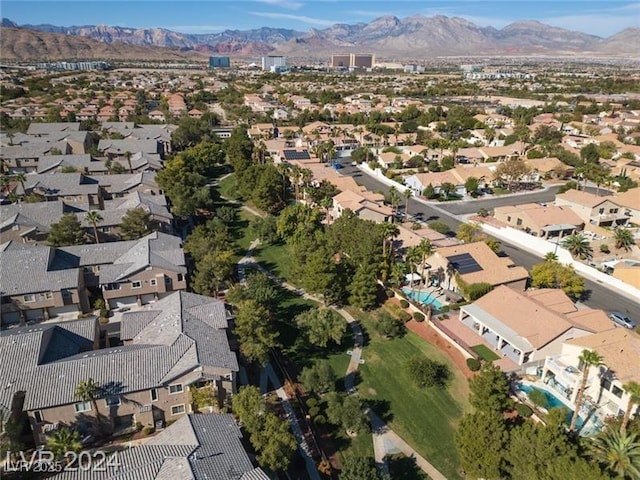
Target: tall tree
[
  {"x": 87, "y": 391},
  {"x": 255, "y": 332},
  {"x": 407, "y": 196},
  {"x": 321, "y": 326},
  {"x": 94, "y": 217},
  {"x": 274, "y": 442},
  {"x": 136, "y": 223},
  {"x": 624, "y": 238},
  {"x": 512, "y": 172},
  {"x": 426, "y": 250},
  {"x": 552, "y": 274},
  {"x": 127, "y": 156},
  {"x": 633, "y": 390},
  {"x": 363, "y": 288},
  {"x": 319, "y": 377},
  {"x": 481, "y": 440},
  {"x": 588, "y": 359},
  {"x": 389, "y": 232},
  {"x": 489, "y": 389},
  {"x": 215, "y": 268},
  {"x": 67, "y": 231},
  {"x": 249, "y": 405},
  {"x": 358, "y": 468}
]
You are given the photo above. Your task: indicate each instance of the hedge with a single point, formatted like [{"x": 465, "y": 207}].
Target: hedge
[
  {"x": 405, "y": 316},
  {"x": 418, "y": 317},
  {"x": 404, "y": 303},
  {"x": 390, "y": 293},
  {"x": 473, "y": 364}
]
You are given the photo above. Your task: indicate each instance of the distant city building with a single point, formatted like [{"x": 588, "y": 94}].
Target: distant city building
[
  {"x": 413, "y": 68},
  {"x": 352, "y": 61},
  {"x": 273, "y": 62},
  {"x": 61, "y": 66},
  {"x": 219, "y": 62}
]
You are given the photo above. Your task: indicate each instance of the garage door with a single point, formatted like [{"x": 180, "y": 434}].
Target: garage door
[
  {"x": 37, "y": 314},
  {"x": 116, "y": 303},
  {"x": 10, "y": 318},
  {"x": 66, "y": 310},
  {"x": 149, "y": 298}
]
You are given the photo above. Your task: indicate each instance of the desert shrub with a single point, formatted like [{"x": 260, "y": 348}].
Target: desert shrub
[
  {"x": 473, "y": 364},
  {"x": 404, "y": 303},
  {"x": 148, "y": 430},
  {"x": 604, "y": 248},
  {"x": 418, "y": 317}
]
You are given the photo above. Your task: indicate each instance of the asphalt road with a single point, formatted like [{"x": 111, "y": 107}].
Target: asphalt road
[{"x": 599, "y": 296}]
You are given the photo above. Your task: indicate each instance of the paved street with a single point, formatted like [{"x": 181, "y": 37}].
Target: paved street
[{"x": 600, "y": 296}]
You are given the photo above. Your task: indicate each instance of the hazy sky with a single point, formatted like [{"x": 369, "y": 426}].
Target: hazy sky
[{"x": 596, "y": 17}]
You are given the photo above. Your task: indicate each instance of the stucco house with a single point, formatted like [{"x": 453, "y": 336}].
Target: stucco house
[{"x": 591, "y": 208}]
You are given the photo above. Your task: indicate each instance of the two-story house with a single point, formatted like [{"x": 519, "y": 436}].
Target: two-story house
[{"x": 591, "y": 208}]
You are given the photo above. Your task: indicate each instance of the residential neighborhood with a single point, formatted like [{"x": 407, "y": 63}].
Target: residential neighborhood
[{"x": 295, "y": 273}]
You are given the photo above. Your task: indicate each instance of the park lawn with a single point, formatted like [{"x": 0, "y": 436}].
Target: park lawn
[
  {"x": 243, "y": 235},
  {"x": 228, "y": 187},
  {"x": 485, "y": 353},
  {"x": 424, "y": 418},
  {"x": 359, "y": 446},
  {"x": 277, "y": 259}
]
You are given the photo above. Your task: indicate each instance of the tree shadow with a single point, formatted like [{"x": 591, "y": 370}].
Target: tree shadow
[
  {"x": 401, "y": 466},
  {"x": 382, "y": 408}
]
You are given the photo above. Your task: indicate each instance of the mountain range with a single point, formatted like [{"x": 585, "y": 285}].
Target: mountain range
[{"x": 388, "y": 36}]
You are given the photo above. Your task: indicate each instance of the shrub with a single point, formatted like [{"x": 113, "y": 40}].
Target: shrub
[
  {"x": 439, "y": 227},
  {"x": 148, "y": 430},
  {"x": 405, "y": 316},
  {"x": 103, "y": 320},
  {"x": 138, "y": 426},
  {"x": 524, "y": 410},
  {"x": 404, "y": 303},
  {"x": 314, "y": 411},
  {"x": 604, "y": 248},
  {"x": 538, "y": 398},
  {"x": 390, "y": 293},
  {"x": 418, "y": 317},
  {"x": 387, "y": 326},
  {"x": 444, "y": 309},
  {"x": 477, "y": 290},
  {"x": 312, "y": 402},
  {"x": 424, "y": 372},
  {"x": 473, "y": 364},
  {"x": 319, "y": 420}
]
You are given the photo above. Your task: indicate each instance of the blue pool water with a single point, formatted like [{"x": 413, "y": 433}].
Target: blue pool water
[
  {"x": 425, "y": 298},
  {"x": 552, "y": 402}
]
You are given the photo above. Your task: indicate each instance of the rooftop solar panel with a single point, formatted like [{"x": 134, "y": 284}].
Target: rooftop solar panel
[
  {"x": 464, "y": 263},
  {"x": 296, "y": 155}
]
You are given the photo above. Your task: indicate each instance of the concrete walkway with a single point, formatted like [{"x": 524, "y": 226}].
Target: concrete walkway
[{"x": 385, "y": 441}]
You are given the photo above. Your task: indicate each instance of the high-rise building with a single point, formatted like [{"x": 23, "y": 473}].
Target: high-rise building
[
  {"x": 273, "y": 62},
  {"x": 352, "y": 60},
  {"x": 219, "y": 62}
]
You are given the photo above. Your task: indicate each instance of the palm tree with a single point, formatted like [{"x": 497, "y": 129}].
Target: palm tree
[
  {"x": 413, "y": 257},
  {"x": 450, "y": 272},
  {"x": 551, "y": 257},
  {"x": 389, "y": 232},
  {"x": 624, "y": 238},
  {"x": 64, "y": 440},
  {"x": 588, "y": 359},
  {"x": 93, "y": 217},
  {"x": 127, "y": 155},
  {"x": 394, "y": 198},
  {"x": 407, "y": 195},
  {"x": 618, "y": 452},
  {"x": 579, "y": 246},
  {"x": 87, "y": 391},
  {"x": 633, "y": 390},
  {"x": 426, "y": 250}
]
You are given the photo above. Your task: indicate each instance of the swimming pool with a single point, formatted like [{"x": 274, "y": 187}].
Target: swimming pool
[
  {"x": 552, "y": 402},
  {"x": 425, "y": 298}
]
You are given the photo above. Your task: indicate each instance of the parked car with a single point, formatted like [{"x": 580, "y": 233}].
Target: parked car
[
  {"x": 622, "y": 320},
  {"x": 337, "y": 166}
]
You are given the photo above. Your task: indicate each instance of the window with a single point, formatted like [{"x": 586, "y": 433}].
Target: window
[
  {"x": 154, "y": 394},
  {"x": 48, "y": 295},
  {"x": 96, "y": 268},
  {"x": 112, "y": 401},
  {"x": 29, "y": 298},
  {"x": 613, "y": 210},
  {"x": 177, "y": 409},
  {"x": 37, "y": 415},
  {"x": 153, "y": 282},
  {"x": 519, "y": 221},
  {"x": 136, "y": 284},
  {"x": 180, "y": 277},
  {"x": 82, "y": 407},
  {"x": 601, "y": 211},
  {"x": 508, "y": 218},
  {"x": 177, "y": 388},
  {"x": 617, "y": 391},
  {"x": 606, "y": 384},
  {"x": 65, "y": 293},
  {"x": 112, "y": 286}
]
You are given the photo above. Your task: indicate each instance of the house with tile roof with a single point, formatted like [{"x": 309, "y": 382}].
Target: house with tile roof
[
  {"x": 364, "y": 204},
  {"x": 544, "y": 221},
  {"x": 605, "y": 395},
  {"x": 38, "y": 283},
  {"x": 198, "y": 447},
  {"x": 30, "y": 222},
  {"x": 592, "y": 208},
  {"x": 528, "y": 326},
  {"x": 173, "y": 346}
]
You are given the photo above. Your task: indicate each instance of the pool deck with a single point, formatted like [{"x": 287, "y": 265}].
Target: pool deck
[{"x": 432, "y": 294}]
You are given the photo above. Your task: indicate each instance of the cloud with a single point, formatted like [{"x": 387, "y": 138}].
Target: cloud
[
  {"x": 299, "y": 18},
  {"x": 196, "y": 28},
  {"x": 291, "y": 5}
]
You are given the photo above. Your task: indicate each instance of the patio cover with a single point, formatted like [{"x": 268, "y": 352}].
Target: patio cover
[{"x": 498, "y": 327}]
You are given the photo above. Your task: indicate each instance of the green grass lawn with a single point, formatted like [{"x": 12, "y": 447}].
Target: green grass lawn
[
  {"x": 485, "y": 352},
  {"x": 424, "y": 418},
  {"x": 243, "y": 236},
  {"x": 277, "y": 259},
  {"x": 228, "y": 187}
]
